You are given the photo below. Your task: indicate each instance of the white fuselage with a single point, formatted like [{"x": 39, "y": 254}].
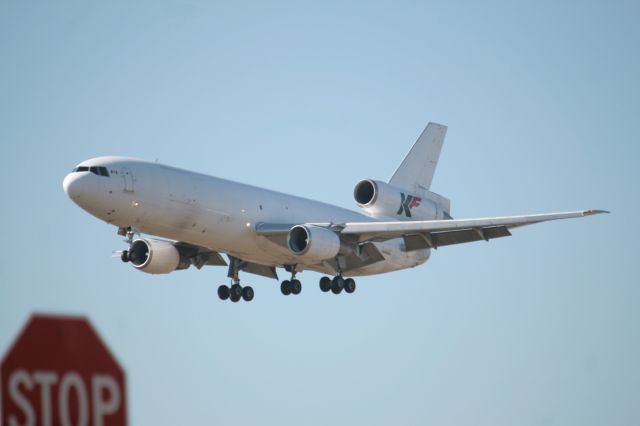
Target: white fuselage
[{"x": 211, "y": 212}]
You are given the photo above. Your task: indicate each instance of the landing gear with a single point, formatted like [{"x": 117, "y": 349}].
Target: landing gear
[
  {"x": 247, "y": 294},
  {"x": 223, "y": 292},
  {"x": 235, "y": 297},
  {"x": 325, "y": 284},
  {"x": 129, "y": 255},
  {"x": 128, "y": 232},
  {"x": 286, "y": 288},
  {"x": 337, "y": 284},
  {"x": 349, "y": 285},
  {"x": 236, "y": 291},
  {"x": 292, "y": 286}
]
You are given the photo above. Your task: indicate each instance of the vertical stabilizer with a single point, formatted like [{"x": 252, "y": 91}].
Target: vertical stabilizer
[{"x": 417, "y": 169}]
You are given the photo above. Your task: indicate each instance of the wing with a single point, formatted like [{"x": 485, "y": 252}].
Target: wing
[
  {"x": 200, "y": 256},
  {"x": 438, "y": 233},
  {"x": 417, "y": 235},
  {"x": 365, "y": 254}
]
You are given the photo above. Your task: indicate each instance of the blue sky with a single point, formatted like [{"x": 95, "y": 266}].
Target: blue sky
[{"x": 541, "y": 100}]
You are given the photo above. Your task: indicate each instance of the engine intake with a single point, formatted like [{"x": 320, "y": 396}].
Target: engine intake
[
  {"x": 380, "y": 199},
  {"x": 314, "y": 243},
  {"x": 155, "y": 256},
  {"x": 365, "y": 192}
]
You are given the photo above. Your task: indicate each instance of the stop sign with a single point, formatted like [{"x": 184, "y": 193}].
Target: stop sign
[{"x": 59, "y": 372}]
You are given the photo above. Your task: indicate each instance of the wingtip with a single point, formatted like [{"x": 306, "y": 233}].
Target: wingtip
[{"x": 593, "y": 211}]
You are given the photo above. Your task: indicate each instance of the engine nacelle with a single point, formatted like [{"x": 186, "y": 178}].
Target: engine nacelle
[
  {"x": 380, "y": 199},
  {"x": 313, "y": 243},
  {"x": 155, "y": 256}
]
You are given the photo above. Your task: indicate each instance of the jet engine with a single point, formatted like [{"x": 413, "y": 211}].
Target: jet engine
[
  {"x": 156, "y": 256},
  {"x": 380, "y": 199},
  {"x": 314, "y": 243}
]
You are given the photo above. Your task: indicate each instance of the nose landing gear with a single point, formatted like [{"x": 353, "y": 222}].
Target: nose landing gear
[{"x": 128, "y": 232}]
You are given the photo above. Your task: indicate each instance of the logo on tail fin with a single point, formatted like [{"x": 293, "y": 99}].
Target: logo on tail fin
[{"x": 407, "y": 203}]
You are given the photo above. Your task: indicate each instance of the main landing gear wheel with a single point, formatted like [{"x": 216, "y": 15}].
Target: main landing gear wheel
[
  {"x": 247, "y": 294},
  {"x": 223, "y": 292},
  {"x": 291, "y": 286},
  {"x": 337, "y": 284},
  {"x": 286, "y": 287},
  {"x": 296, "y": 287},
  {"x": 236, "y": 293},
  {"x": 325, "y": 284},
  {"x": 349, "y": 285}
]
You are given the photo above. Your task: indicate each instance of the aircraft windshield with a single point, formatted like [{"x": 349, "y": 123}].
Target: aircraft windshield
[{"x": 96, "y": 170}]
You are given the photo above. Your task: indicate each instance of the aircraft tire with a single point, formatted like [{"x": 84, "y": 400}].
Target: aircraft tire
[
  {"x": 349, "y": 285},
  {"x": 296, "y": 287},
  {"x": 247, "y": 294},
  {"x": 223, "y": 292},
  {"x": 286, "y": 287},
  {"x": 236, "y": 291},
  {"x": 325, "y": 284},
  {"x": 337, "y": 284}
]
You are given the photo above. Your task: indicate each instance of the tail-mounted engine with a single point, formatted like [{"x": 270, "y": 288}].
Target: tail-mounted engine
[
  {"x": 380, "y": 199},
  {"x": 156, "y": 256}
]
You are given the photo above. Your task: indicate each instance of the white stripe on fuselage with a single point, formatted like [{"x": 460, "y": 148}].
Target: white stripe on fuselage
[{"x": 211, "y": 212}]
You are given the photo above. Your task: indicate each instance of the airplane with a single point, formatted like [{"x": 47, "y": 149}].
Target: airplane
[{"x": 194, "y": 218}]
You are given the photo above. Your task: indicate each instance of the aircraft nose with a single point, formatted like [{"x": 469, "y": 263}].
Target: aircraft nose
[
  {"x": 73, "y": 185},
  {"x": 67, "y": 184}
]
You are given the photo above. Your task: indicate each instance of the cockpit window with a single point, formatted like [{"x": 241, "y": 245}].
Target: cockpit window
[{"x": 96, "y": 170}]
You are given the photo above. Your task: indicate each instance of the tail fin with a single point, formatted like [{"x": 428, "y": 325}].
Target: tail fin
[{"x": 417, "y": 169}]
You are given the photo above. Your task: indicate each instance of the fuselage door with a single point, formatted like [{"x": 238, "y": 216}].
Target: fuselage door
[{"x": 128, "y": 179}]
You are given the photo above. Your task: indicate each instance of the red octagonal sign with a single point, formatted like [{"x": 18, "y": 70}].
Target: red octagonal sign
[{"x": 59, "y": 372}]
